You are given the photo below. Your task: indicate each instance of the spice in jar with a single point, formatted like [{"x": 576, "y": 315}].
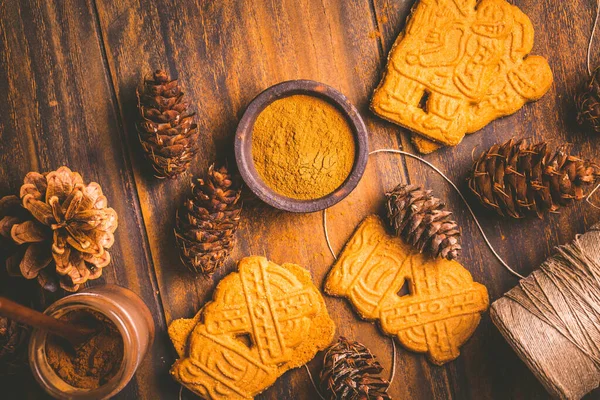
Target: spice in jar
[
  {"x": 303, "y": 147},
  {"x": 94, "y": 362}
]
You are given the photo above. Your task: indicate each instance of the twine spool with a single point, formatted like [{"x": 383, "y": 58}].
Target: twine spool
[{"x": 552, "y": 318}]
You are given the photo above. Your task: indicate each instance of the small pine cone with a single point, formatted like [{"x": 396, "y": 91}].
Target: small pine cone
[
  {"x": 420, "y": 219},
  {"x": 207, "y": 221},
  {"x": 13, "y": 346},
  {"x": 167, "y": 132},
  {"x": 516, "y": 178},
  {"x": 588, "y": 103},
  {"x": 350, "y": 372},
  {"x": 61, "y": 228}
]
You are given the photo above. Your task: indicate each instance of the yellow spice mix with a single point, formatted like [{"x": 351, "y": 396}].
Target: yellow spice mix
[{"x": 302, "y": 147}]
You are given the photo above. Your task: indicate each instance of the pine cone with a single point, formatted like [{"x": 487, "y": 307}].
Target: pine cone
[
  {"x": 62, "y": 228},
  {"x": 167, "y": 132},
  {"x": 420, "y": 219},
  {"x": 588, "y": 103},
  {"x": 517, "y": 178},
  {"x": 350, "y": 373},
  {"x": 13, "y": 346},
  {"x": 207, "y": 222}
]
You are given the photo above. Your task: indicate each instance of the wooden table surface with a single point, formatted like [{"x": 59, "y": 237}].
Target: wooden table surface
[{"x": 68, "y": 72}]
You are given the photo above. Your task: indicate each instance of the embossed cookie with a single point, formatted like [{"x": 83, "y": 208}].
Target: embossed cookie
[
  {"x": 442, "y": 308},
  {"x": 459, "y": 65},
  {"x": 263, "y": 320}
]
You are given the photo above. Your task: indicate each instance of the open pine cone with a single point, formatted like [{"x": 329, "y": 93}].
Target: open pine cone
[
  {"x": 350, "y": 373},
  {"x": 588, "y": 103},
  {"x": 420, "y": 219},
  {"x": 516, "y": 178},
  {"x": 13, "y": 346},
  {"x": 207, "y": 222},
  {"x": 62, "y": 228},
  {"x": 167, "y": 131}
]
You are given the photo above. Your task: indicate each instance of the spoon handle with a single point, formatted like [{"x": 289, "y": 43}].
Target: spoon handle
[{"x": 27, "y": 316}]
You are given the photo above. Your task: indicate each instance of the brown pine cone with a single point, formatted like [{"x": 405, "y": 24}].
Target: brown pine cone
[
  {"x": 350, "y": 372},
  {"x": 207, "y": 222},
  {"x": 62, "y": 228},
  {"x": 420, "y": 219},
  {"x": 588, "y": 103},
  {"x": 516, "y": 178},
  {"x": 167, "y": 132},
  {"x": 13, "y": 346}
]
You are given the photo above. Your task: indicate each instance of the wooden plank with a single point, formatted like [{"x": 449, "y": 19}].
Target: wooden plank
[
  {"x": 488, "y": 368},
  {"x": 225, "y": 53},
  {"x": 58, "y": 108}
]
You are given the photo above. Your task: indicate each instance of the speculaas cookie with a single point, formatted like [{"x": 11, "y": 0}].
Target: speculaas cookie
[
  {"x": 442, "y": 308},
  {"x": 263, "y": 320},
  {"x": 457, "y": 66}
]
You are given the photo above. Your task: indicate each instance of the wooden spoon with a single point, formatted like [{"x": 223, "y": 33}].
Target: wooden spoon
[{"x": 74, "y": 334}]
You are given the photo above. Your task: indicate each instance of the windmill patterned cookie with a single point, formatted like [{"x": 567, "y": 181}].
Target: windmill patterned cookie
[
  {"x": 458, "y": 65},
  {"x": 262, "y": 321},
  {"x": 442, "y": 309}
]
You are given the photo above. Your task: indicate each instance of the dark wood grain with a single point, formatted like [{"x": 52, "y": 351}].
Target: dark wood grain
[
  {"x": 58, "y": 108},
  {"x": 488, "y": 368},
  {"x": 233, "y": 52},
  {"x": 68, "y": 72}
]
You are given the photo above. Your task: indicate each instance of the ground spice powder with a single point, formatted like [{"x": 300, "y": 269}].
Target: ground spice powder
[
  {"x": 94, "y": 362},
  {"x": 302, "y": 147}
]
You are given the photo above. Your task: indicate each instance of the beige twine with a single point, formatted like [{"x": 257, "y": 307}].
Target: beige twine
[
  {"x": 566, "y": 295},
  {"x": 591, "y": 40},
  {"x": 589, "y": 70},
  {"x": 561, "y": 345},
  {"x": 393, "y": 369},
  {"x": 437, "y": 170}
]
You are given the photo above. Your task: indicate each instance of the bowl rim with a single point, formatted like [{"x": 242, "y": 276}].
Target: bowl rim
[{"x": 243, "y": 145}]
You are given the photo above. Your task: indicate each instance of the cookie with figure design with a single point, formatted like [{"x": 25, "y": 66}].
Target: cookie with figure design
[
  {"x": 458, "y": 65},
  {"x": 442, "y": 308},
  {"x": 263, "y": 320}
]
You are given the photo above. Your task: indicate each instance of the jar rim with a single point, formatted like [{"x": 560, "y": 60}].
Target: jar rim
[{"x": 104, "y": 306}]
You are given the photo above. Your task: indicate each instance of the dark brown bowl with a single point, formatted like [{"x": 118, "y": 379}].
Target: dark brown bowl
[{"x": 243, "y": 145}]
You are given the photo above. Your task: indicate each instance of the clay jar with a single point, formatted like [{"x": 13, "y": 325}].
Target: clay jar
[{"x": 133, "y": 321}]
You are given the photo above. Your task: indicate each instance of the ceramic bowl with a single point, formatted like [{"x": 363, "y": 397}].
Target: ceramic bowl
[{"x": 243, "y": 145}]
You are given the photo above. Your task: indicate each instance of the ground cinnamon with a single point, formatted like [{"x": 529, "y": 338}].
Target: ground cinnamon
[
  {"x": 93, "y": 363},
  {"x": 302, "y": 147}
]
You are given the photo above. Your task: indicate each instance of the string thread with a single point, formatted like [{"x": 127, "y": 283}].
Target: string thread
[
  {"x": 313, "y": 382},
  {"x": 333, "y": 254},
  {"x": 565, "y": 293},
  {"x": 587, "y": 199},
  {"x": 589, "y": 49},
  {"x": 430, "y": 165},
  {"x": 589, "y": 70},
  {"x": 327, "y": 235},
  {"x": 393, "y": 371}
]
